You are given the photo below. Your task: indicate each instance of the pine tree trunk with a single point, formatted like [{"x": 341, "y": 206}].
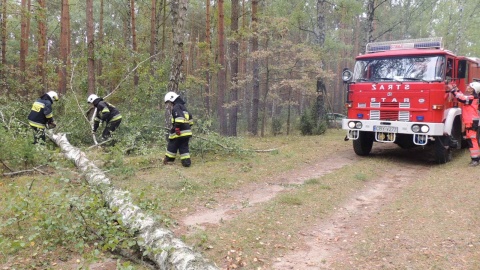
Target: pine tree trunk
[
  {"x": 256, "y": 71},
  {"x": 24, "y": 39},
  {"x": 64, "y": 46},
  {"x": 234, "y": 69},
  {"x": 90, "y": 48},
  {"x": 370, "y": 23},
  {"x": 134, "y": 42},
  {"x": 179, "y": 12},
  {"x": 42, "y": 41},
  {"x": 153, "y": 34},
  {"x": 222, "y": 72},
  {"x": 4, "y": 33},
  {"x": 100, "y": 42},
  {"x": 320, "y": 29},
  {"x": 243, "y": 69},
  {"x": 164, "y": 25},
  {"x": 207, "y": 59}
]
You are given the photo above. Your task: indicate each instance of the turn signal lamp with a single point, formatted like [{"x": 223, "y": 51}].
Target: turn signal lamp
[{"x": 437, "y": 107}]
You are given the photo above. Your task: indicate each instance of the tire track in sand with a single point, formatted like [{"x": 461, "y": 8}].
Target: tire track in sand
[
  {"x": 326, "y": 242},
  {"x": 243, "y": 199}
]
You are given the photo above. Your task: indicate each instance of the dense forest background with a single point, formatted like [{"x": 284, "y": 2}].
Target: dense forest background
[{"x": 243, "y": 66}]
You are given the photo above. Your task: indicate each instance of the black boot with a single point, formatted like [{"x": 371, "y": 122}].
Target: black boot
[
  {"x": 186, "y": 162},
  {"x": 474, "y": 162}
]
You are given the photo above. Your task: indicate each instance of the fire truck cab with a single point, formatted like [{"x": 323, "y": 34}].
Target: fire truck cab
[{"x": 397, "y": 93}]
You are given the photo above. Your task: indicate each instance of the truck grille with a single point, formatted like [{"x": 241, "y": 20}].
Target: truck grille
[{"x": 390, "y": 115}]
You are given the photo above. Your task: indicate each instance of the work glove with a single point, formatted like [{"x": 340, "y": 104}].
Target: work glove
[
  {"x": 51, "y": 125},
  {"x": 453, "y": 88},
  {"x": 177, "y": 131}
]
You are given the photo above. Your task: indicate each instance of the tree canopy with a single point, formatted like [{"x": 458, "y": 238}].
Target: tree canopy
[{"x": 239, "y": 68}]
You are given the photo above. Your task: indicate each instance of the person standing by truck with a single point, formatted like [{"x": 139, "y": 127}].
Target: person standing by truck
[{"x": 470, "y": 117}]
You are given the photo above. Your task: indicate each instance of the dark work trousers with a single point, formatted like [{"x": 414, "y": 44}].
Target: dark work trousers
[
  {"x": 181, "y": 145},
  {"x": 110, "y": 127},
  {"x": 38, "y": 135}
]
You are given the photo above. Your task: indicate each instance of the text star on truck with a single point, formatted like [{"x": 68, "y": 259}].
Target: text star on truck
[{"x": 397, "y": 93}]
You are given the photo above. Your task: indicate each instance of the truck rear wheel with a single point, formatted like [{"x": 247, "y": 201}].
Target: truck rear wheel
[
  {"x": 363, "y": 145},
  {"x": 443, "y": 151}
]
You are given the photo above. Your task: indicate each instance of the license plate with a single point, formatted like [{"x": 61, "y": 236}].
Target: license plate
[{"x": 386, "y": 129}]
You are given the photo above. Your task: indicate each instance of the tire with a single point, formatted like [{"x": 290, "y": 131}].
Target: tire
[
  {"x": 457, "y": 134},
  {"x": 442, "y": 150},
  {"x": 363, "y": 145}
]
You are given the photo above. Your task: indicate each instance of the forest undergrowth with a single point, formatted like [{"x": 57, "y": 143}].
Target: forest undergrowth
[{"x": 50, "y": 214}]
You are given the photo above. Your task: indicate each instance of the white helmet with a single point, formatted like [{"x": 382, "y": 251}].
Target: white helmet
[
  {"x": 475, "y": 86},
  {"x": 53, "y": 95},
  {"x": 91, "y": 98},
  {"x": 171, "y": 96}
]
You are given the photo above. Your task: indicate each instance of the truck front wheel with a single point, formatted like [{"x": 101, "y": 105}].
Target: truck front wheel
[
  {"x": 363, "y": 145},
  {"x": 443, "y": 151}
]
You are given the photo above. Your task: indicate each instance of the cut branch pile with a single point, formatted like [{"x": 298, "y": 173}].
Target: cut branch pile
[{"x": 172, "y": 252}]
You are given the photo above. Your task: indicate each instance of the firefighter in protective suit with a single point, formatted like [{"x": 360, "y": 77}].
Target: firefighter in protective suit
[
  {"x": 41, "y": 115},
  {"x": 470, "y": 117},
  {"x": 181, "y": 131},
  {"x": 107, "y": 113}
]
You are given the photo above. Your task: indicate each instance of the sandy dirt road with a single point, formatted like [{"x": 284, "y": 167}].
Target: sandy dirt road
[{"x": 329, "y": 239}]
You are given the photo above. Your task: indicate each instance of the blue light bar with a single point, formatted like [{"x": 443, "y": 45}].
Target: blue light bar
[
  {"x": 422, "y": 43},
  {"x": 420, "y": 118}
]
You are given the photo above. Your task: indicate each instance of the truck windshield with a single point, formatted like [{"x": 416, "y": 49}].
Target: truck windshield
[{"x": 410, "y": 68}]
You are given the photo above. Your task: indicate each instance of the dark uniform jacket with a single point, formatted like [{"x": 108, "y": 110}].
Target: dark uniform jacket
[
  {"x": 41, "y": 112},
  {"x": 105, "y": 112},
  {"x": 181, "y": 119}
]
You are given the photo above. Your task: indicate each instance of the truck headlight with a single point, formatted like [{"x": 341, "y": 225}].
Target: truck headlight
[{"x": 347, "y": 75}]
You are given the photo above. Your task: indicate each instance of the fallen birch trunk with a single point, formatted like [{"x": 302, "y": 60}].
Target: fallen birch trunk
[{"x": 172, "y": 252}]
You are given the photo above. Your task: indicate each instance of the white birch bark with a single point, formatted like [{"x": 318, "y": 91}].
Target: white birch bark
[{"x": 172, "y": 252}]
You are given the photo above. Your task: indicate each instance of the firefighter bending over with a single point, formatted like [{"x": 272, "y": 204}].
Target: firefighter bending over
[
  {"x": 181, "y": 131},
  {"x": 470, "y": 117},
  {"x": 107, "y": 113},
  {"x": 41, "y": 115}
]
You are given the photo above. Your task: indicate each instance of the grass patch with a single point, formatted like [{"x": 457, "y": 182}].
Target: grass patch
[
  {"x": 290, "y": 200},
  {"x": 314, "y": 181},
  {"x": 361, "y": 177}
]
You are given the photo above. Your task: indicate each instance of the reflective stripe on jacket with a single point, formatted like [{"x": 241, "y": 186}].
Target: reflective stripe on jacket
[
  {"x": 41, "y": 113},
  {"x": 181, "y": 119},
  {"x": 469, "y": 108},
  {"x": 105, "y": 112}
]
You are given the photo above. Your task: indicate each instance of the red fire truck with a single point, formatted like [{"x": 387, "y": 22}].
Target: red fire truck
[{"x": 397, "y": 93}]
